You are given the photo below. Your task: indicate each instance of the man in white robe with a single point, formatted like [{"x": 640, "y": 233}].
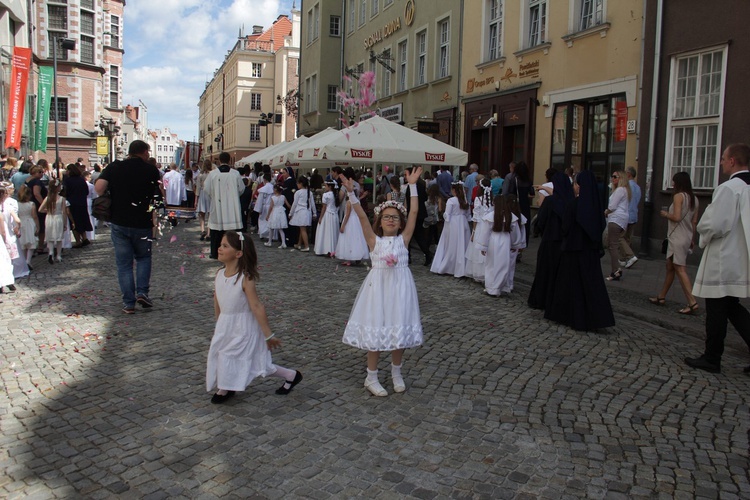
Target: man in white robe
[
  {"x": 174, "y": 187},
  {"x": 724, "y": 272},
  {"x": 263, "y": 205},
  {"x": 223, "y": 187}
]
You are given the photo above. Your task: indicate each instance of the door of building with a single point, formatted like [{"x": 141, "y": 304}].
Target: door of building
[
  {"x": 512, "y": 147},
  {"x": 480, "y": 149}
]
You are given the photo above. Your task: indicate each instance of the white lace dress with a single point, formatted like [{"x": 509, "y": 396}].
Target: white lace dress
[
  {"x": 385, "y": 315},
  {"x": 450, "y": 255},
  {"x": 277, "y": 219},
  {"x": 474, "y": 258},
  {"x": 327, "y": 232},
  {"x": 238, "y": 351},
  {"x": 28, "y": 226}
]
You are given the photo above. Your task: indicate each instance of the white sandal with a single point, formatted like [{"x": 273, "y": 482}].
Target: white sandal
[
  {"x": 375, "y": 388},
  {"x": 398, "y": 384}
]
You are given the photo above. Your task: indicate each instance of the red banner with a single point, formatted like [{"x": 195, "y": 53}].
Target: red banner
[
  {"x": 621, "y": 123},
  {"x": 17, "y": 100}
]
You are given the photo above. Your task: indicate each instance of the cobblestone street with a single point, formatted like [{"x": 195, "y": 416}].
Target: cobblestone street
[{"x": 500, "y": 403}]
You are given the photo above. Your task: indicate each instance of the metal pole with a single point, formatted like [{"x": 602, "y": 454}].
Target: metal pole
[{"x": 54, "y": 85}]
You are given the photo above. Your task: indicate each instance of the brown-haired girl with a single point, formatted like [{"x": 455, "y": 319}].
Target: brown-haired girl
[
  {"x": 497, "y": 246},
  {"x": 450, "y": 256},
  {"x": 56, "y": 221},
  {"x": 29, "y": 223},
  {"x": 385, "y": 315},
  {"x": 242, "y": 342}
]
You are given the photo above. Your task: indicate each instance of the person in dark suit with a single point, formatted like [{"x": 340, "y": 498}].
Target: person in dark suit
[{"x": 421, "y": 234}]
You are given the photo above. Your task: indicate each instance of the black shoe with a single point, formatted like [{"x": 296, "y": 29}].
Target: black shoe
[
  {"x": 144, "y": 301},
  {"x": 29, "y": 266},
  {"x": 85, "y": 243},
  {"x": 50, "y": 259},
  {"x": 703, "y": 364},
  {"x": 12, "y": 288},
  {"x": 217, "y": 398},
  {"x": 746, "y": 369},
  {"x": 284, "y": 391}
]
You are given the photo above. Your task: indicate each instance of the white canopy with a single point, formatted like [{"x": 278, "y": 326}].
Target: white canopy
[
  {"x": 263, "y": 155},
  {"x": 377, "y": 140}
]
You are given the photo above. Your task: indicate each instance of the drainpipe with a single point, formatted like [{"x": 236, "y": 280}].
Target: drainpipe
[
  {"x": 342, "y": 69},
  {"x": 648, "y": 205},
  {"x": 457, "y": 117}
]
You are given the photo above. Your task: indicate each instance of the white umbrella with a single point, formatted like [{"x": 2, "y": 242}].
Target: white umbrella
[{"x": 263, "y": 155}]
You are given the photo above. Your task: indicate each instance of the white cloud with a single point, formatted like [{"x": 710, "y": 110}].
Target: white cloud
[{"x": 172, "y": 47}]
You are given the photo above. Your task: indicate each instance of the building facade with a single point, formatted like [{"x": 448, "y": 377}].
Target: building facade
[
  {"x": 553, "y": 83},
  {"x": 414, "y": 49},
  {"x": 250, "y": 102},
  {"x": 89, "y": 76},
  {"x": 693, "y": 86},
  {"x": 164, "y": 145}
]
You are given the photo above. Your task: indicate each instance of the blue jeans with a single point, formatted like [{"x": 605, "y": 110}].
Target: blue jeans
[{"x": 132, "y": 243}]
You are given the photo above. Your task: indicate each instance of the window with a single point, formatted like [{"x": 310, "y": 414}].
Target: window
[
  {"x": 254, "y": 132},
  {"x": 87, "y": 23},
  {"x": 87, "y": 4},
  {"x": 386, "y": 3},
  {"x": 697, "y": 94},
  {"x": 255, "y": 102},
  {"x": 257, "y": 70},
  {"x": 402, "y": 67},
  {"x": 87, "y": 49},
  {"x": 362, "y": 12},
  {"x": 314, "y": 81},
  {"x": 311, "y": 94},
  {"x": 537, "y": 22},
  {"x": 387, "y": 74},
  {"x": 310, "y": 26},
  {"x": 333, "y": 99},
  {"x": 352, "y": 15},
  {"x": 62, "y": 110},
  {"x": 316, "y": 21},
  {"x": 114, "y": 31},
  {"x": 421, "y": 57},
  {"x": 444, "y": 48},
  {"x": 592, "y": 14},
  {"x": 495, "y": 29},
  {"x": 375, "y": 7},
  {"x": 58, "y": 29},
  {"x": 114, "y": 87},
  {"x": 334, "y": 26},
  {"x": 158, "y": 148}
]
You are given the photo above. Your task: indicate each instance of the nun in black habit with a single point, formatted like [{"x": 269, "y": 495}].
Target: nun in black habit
[
  {"x": 580, "y": 299},
  {"x": 549, "y": 223}
]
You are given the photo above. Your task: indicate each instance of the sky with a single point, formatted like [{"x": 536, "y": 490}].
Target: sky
[{"x": 172, "y": 48}]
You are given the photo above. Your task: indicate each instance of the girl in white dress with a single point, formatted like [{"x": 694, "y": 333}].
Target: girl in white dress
[
  {"x": 327, "y": 233},
  {"x": 450, "y": 255},
  {"x": 497, "y": 247},
  {"x": 385, "y": 315},
  {"x": 351, "y": 245},
  {"x": 240, "y": 347},
  {"x": 302, "y": 212},
  {"x": 482, "y": 205},
  {"x": 276, "y": 217},
  {"x": 6, "y": 266},
  {"x": 29, "y": 223},
  {"x": 56, "y": 221},
  {"x": 517, "y": 238}
]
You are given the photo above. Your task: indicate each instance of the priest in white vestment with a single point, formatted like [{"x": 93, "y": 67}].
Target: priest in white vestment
[
  {"x": 174, "y": 187},
  {"x": 223, "y": 187}
]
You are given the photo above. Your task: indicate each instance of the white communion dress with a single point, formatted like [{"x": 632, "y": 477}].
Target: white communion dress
[
  {"x": 238, "y": 351},
  {"x": 385, "y": 315},
  {"x": 327, "y": 233},
  {"x": 277, "y": 219}
]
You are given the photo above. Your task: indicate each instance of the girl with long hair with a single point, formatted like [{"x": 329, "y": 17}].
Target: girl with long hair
[{"x": 450, "y": 255}]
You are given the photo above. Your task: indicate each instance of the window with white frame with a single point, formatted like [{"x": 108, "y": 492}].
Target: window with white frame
[
  {"x": 158, "y": 148},
  {"x": 697, "y": 94},
  {"x": 87, "y": 37},
  {"x": 494, "y": 29},
  {"x": 387, "y": 74},
  {"x": 334, "y": 26},
  {"x": 332, "y": 99},
  {"x": 375, "y": 7},
  {"x": 537, "y": 22},
  {"x": 58, "y": 29},
  {"x": 402, "y": 66},
  {"x": 254, "y": 132},
  {"x": 114, "y": 87},
  {"x": 310, "y": 26},
  {"x": 314, "y": 81},
  {"x": 352, "y": 15},
  {"x": 256, "y": 70},
  {"x": 362, "y": 12},
  {"x": 591, "y": 13},
  {"x": 444, "y": 41},
  {"x": 255, "y": 104},
  {"x": 316, "y": 21},
  {"x": 421, "y": 57},
  {"x": 311, "y": 93},
  {"x": 114, "y": 31}
]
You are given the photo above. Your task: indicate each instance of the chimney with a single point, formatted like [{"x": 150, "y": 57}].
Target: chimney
[{"x": 257, "y": 30}]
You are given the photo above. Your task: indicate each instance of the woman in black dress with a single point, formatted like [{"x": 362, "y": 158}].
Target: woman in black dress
[
  {"x": 549, "y": 224},
  {"x": 77, "y": 193},
  {"x": 580, "y": 298}
]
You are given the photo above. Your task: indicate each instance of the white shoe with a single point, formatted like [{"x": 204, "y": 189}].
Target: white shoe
[
  {"x": 622, "y": 263},
  {"x": 630, "y": 262},
  {"x": 58, "y": 258},
  {"x": 398, "y": 384},
  {"x": 282, "y": 246},
  {"x": 306, "y": 249},
  {"x": 268, "y": 243},
  {"x": 375, "y": 388}
]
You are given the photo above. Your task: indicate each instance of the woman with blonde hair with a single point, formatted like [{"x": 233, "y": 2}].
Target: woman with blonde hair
[{"x": 617, "y": 221}]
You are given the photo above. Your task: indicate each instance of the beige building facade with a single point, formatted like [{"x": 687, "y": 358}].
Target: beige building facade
[
  {"x": 244, "y": 108},
  {"x": 412, "y": 47},
  {"x": 552, "y": 82}
]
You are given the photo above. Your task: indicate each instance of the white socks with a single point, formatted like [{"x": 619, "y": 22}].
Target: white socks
[
  {"x": 398, "y": 381},
  {"x": 285, "y": 373},
  {"x": 372, "y": 384}
]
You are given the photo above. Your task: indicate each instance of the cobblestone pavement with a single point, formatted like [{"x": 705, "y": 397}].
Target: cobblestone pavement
[{"x": 500, "y": 402}]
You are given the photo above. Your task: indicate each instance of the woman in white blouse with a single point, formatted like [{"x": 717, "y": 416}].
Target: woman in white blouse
[{"x": 617, "y": 220}]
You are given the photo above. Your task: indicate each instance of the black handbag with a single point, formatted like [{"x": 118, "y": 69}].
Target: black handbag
[
  {"x": 101, "y": 207},
  {"x": 664, "y": 245}
]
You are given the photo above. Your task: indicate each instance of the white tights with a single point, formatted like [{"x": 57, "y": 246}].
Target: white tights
[{"x": 54, "y": 246}]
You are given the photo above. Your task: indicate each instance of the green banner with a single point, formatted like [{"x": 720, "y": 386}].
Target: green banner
[{"x": 44, "y": 96}]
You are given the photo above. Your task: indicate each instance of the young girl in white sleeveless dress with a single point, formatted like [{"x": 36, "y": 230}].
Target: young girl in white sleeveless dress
[
  {"x": 56, "y": 221},
  {"x": 327, "y": 233},
  {"x": 29, "y": 223},
  {"x": 276, "y": 217},
  {"x": 352, "y": 245},
  {"x": 450, "y": 255},
  {"x": 385, "y": 315},
  {"x": 241, "y": 346}
]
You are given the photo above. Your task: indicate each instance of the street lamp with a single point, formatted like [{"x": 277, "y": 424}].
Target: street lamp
[{"x": 67, "y": 44}]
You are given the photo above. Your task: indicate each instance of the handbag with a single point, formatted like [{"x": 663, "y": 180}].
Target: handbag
[{"x": 101, "y": 207}]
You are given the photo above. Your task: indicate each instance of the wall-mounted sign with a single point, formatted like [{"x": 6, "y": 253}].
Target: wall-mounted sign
[
  {"x": 621, "y": 121},
  {"x": 409, "y": 11},
  {"x": 474, "y": 83},
  {"x": 384, "y": 32},
  {"x": 529, "y": 69},
  {"x": 102, "y": 145},
  {"x": 428, "y": 127},
  {"x": 631, "y": 126},
  {"x": 393, "y": 113}
]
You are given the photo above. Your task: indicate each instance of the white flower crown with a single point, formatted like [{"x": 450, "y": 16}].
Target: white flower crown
[
  {"x": 390, "y": 204},
  {"x": 459, "y": 183}
]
